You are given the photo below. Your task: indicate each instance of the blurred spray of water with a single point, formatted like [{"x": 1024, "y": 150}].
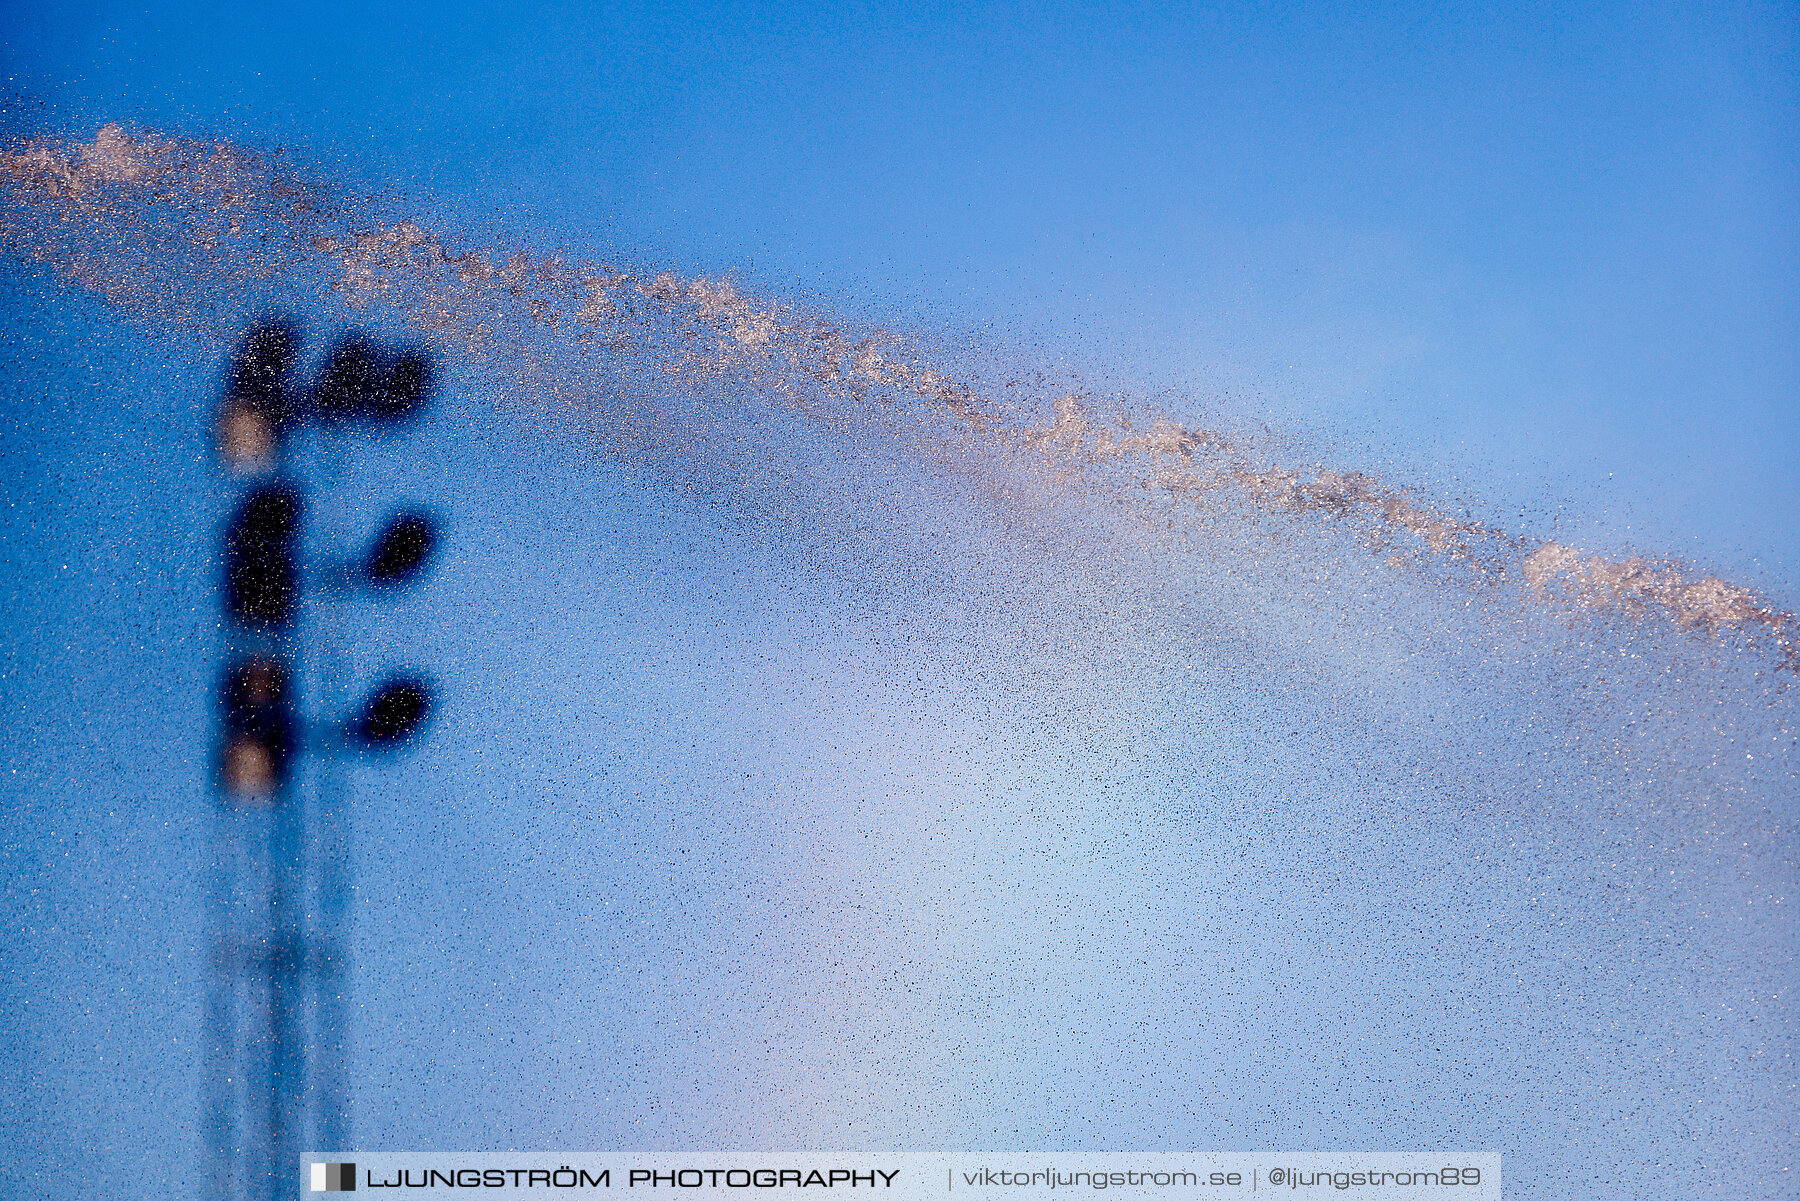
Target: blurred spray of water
[{"x": 160, "y": 223}]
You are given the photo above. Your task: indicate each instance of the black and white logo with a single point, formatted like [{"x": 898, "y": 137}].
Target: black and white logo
[{"x": 334, "y": 1178}]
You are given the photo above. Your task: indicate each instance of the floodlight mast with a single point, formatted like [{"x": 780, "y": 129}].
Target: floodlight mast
[{"x": 279, "y": 888}]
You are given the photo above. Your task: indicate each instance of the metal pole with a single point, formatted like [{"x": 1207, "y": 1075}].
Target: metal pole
[
  {"x": 329, "y": 852},
  {"x": 223, "y": 1080}
]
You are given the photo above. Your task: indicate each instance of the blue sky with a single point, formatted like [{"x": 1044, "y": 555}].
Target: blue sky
[{"x": 734, "y": 832}]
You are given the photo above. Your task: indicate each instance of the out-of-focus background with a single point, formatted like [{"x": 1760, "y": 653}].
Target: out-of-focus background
[{"x": 730, "y": 831}]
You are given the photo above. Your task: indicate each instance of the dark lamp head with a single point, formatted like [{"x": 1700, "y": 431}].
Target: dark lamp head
[
  {"x": 402, "y": 550},
  {"x": 262, "y": 572},
  {"x": 360, "y": 383},
  {"x": 393, "y": 713}
]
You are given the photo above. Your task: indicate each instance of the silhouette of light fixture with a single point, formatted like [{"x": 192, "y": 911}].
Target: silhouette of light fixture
[
  {"x": 260, "y": 729},
  {"x": 393, "y": 713},
  {"x": 360, "y": 383},
  {"x": 402, "y": 550},
  {"x": 262, "y": 573},
  {"x": 260, "y": 401}
]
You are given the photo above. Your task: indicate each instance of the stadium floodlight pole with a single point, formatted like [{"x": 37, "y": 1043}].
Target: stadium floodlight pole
[
  {"x": 265, "y": 949},
  {"x": 254, "y": 772}
]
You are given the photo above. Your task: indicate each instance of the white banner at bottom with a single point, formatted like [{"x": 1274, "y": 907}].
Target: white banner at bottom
[{"x": 910, "y": 1176}]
